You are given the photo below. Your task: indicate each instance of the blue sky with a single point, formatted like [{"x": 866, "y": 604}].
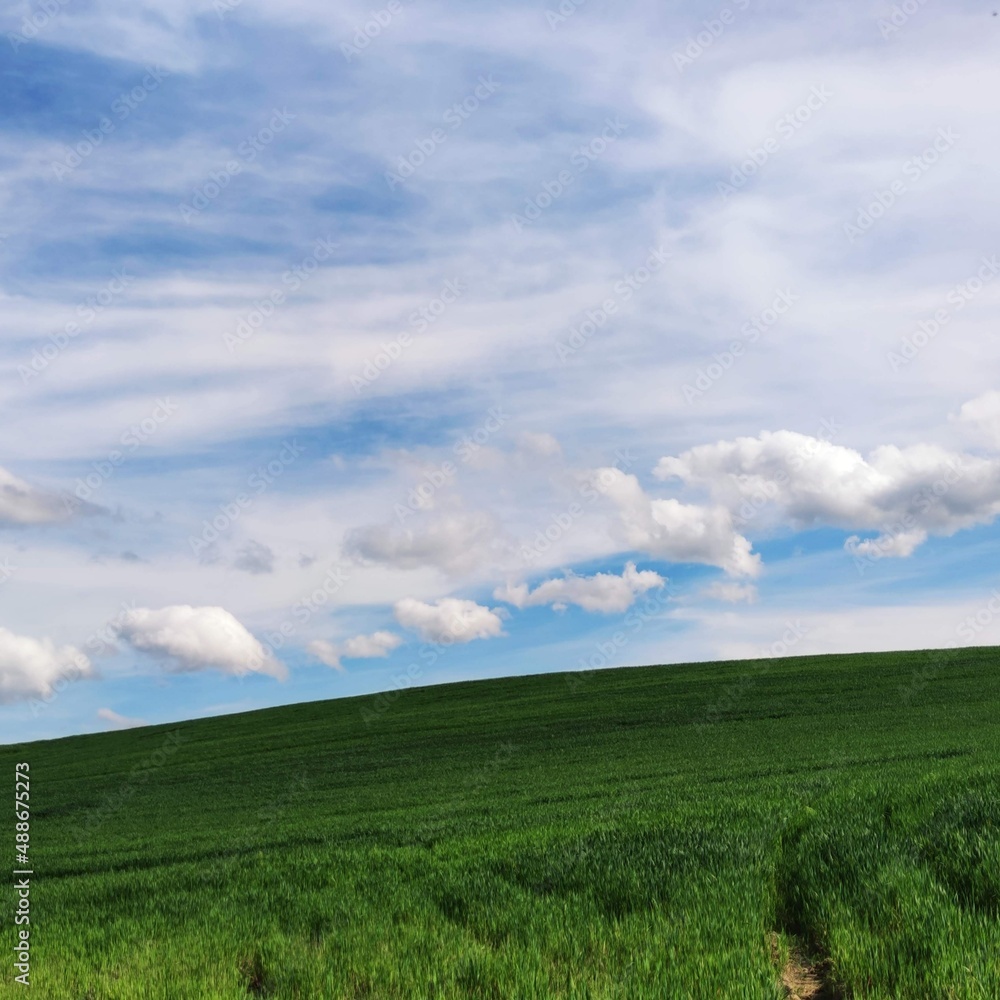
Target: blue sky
[{"x": 352, "y": 348}]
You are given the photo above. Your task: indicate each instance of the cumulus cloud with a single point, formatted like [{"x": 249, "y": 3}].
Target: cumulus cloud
[
  {"x": 255, "y": 557},
  {"x": 981, "y": 417},
  {"x": 731, "y": 593},
  {"x": 35, "y": 668},
  {"x": 190, "y": 639},
  {"x": 449, "y": 619},
  {"x": 119, "y": 721},
  {"x": 603, "y": 592},
  {"x": 893, "y": 544},
  {"x": 21, "y": 503},
  {"x": 906, "y": 494},
  {"x": 359, "y": 647},
  {"x": 363, "y": 647},
  {"x": 676, "y": 531},
  {"x": 325, "y": 652},
  {"x": 455, "y": 542}
]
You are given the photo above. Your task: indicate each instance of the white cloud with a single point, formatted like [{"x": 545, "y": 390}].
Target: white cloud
[
  {"x": 363, "y": 647},
  {"x": 603, "y": 592},
  {"x": 893, "y": 545},
  {"x": 731, "y": 593},
  {"x": 449, "y": 619},
  {"x": 784, "y": 228},
  {"x": 119, "y": 721},
  {"x": 32, "y": 668},
  {"x": 21, "y": 503},
  {"x": 191, "y": 639},
  {"x": 326, "y": 652},
  {"x": 674, "y": 530},
  {"x": 359, "y": 647},
  {"x": 455, "y": 542},
  {"x": 905, "y": 493},
  {"x": 981, "y": 417}
]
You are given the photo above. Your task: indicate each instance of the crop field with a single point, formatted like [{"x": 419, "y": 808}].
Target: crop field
[{"x": 812, "y": 827}]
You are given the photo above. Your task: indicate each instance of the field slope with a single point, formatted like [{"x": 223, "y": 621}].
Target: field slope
[{"x": 735, "y": 830}]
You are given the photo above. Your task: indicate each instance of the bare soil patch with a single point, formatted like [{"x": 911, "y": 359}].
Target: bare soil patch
[{"x": 802, "y": 979}]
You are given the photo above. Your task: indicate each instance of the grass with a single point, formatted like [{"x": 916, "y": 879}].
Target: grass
[{"x": 699, "y": 831}]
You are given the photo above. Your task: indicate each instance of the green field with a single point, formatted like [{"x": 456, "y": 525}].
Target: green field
[{"x": 683, "y": 831}]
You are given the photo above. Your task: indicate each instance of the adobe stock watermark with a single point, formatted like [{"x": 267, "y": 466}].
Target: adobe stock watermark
[
  {"x": 785, "y": 127},
  {"x": 258, "y": 482},
  {"x": 36, "y": 22},
  {"x": 250, "y": 834},
  {"x": 733, "y": 694},
  {"x": 264, "y": 308},
  {"x": 590, "y": 491},
  {"x": 560, "y": 14},
  {"x": 598, "y": 316},
  {"x": 87, "y": 311},
  {"x": 580, "y": 160},
  {"x": 770, "y": 489},
  {"x": 927, "y": 329},
  {"x": 382, "y": 702},
  {"x": 131, "y": 439},
  {"x": 968, "y": 630},
  {"x": 100, "y": 642},
  {"x": 420, "y": 320},
  {"x": 224, "y": 7},
  {"x": 421, "y": 496},
  {"x": 607, "y": 651},
  {"x": 712, "y": 30},
  {"x": 912, "y": 171},
  {"x": 246, "y": 153},
  {"x": 79, "y": 670},
  {"x": 427, "y": 656},
  {"x": 138, "y": 776},
  {"x": 121, "y": 108},
  {"x": 900, "y": 14},
  {"x": 972, "y": 626},
  {"x": 455, "y": 117},
  {"x": 6, "y": 570},
  {"x": 337, "y": 576},
  {"x": 723, "y": 361},
  {"x": 461, "y": 796},
  {"x": 103, "y": 640},
  {"x": 900, "y": 537},
  {"x": 371, "y": 28}
]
